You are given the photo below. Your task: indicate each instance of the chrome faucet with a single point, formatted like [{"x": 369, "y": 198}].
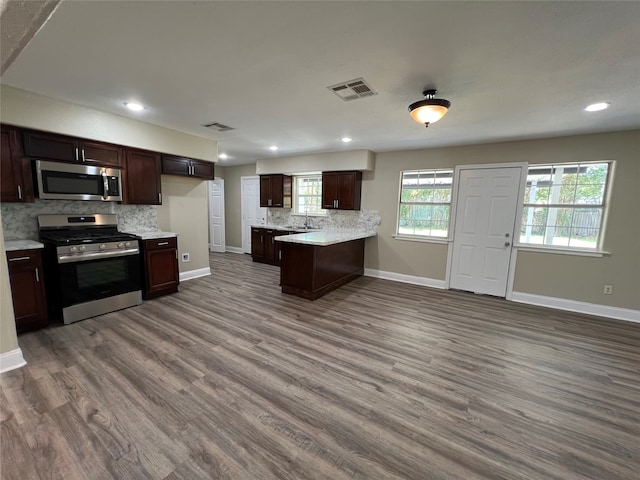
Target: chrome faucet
[{"x": 307, "y": 222}]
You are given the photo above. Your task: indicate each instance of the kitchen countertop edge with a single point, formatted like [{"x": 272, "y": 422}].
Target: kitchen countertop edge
[
  {"x": 324, "y": 238},
  {"x": 153, "y": 235},
  {"x": 13, "y": 245}
]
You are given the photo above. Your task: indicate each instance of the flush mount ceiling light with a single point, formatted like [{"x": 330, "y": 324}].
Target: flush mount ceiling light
[
  {"x": 430, "y": 109},
  {"x": 136, "y": 107},
  {"x": 596, "y": 107},
  {"x": 346, "y": 139},
  {"x": 223, "y": 156},
  {"x": 273, "y": 148}
]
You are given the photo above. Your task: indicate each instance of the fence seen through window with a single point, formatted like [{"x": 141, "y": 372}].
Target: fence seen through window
[
  {"x": 425, "y": 203},
  {"x": 564, "y": 205}
]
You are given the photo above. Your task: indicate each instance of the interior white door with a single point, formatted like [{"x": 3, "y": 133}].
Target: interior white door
[
  {"x": 485, "y": 220},
  {"x": 216, "y": 216},
  {"x": 252, "y": 213}
]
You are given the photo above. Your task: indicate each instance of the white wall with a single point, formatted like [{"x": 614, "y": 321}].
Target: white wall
[{"x": 26, "y": 109}]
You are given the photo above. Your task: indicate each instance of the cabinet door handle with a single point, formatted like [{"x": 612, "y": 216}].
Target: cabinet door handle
[
  {"x": 159, "y": 198},
  {"x": 37, "y": 275},
  {"x": 19, "y": 192},
  {"x": 83, "y": 159},
  {"x": 77, "y": 158},
  {"x": 162, "y": 243},
  {"x": 18, "y": 259}
]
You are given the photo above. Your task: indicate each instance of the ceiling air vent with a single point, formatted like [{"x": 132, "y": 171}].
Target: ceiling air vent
[
  {"x": 352, "y": 90},
  {"x": 219, "y": 127}
]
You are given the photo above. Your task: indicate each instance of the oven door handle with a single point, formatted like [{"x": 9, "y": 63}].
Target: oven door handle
[{"x": 97, "y": 255}]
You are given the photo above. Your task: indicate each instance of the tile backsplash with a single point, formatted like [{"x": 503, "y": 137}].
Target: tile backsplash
[
  {"x": 335, "y": 219},
  {"x": 20, "y": 220}
]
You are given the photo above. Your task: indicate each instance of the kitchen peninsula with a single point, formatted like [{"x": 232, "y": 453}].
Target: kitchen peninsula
[{"x": 313, "y": 264}]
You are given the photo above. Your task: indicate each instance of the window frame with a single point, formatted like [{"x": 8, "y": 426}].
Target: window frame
[
  {"x": 598, "y": 250},
  {"x": 296, "y": 178},
  {"x": 450, "y": 204}
]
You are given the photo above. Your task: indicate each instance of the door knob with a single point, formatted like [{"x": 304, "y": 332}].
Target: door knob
[
  {"x": 507, "y": 235},
  {"x": 507, "y": 244}
]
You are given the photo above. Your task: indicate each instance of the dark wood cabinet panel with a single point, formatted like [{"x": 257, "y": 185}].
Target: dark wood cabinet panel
[
  {"x": 275, "y": 190},
  {"x": 70, "y": 149},
  {"x": 311, "y": 271},
  {"x": 264, "y": 247},
  {"x": 187, "y": 167},
  {"x": 27, "y": 289},
  {"x": 341, "y": 190},
  {"x": 257, "y": 244},
  {"x": 204, "y": 170},
  {"x": 160, "y": 267},
  {"x": 102, "y": 154},
  {"x": 50, "y": 146},
  {"x": 15, "y": 170},
  {"x": 142, "y": 178}
]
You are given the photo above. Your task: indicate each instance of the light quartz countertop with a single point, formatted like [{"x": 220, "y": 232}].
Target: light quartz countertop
[
  {"x": 13, "y": 245},
  {"x": 326, "y": 237},
  {"x": 153, "y": 235}
]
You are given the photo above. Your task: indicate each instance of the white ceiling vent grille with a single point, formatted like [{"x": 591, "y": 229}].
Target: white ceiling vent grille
[
  {"x": 352, "y": 90},
  {"x": 218, "y": 126}
]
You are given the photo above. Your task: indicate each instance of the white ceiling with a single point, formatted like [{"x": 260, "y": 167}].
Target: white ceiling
[{"x": 512, "y": 70}]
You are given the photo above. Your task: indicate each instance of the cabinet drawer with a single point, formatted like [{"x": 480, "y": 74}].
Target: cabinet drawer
[
  {"x": 23, "y": 258},
  {"x": 161, "y": 243}
]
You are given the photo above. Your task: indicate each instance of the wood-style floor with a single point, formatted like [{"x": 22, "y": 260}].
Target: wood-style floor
[{"x": 231, "y": 379}]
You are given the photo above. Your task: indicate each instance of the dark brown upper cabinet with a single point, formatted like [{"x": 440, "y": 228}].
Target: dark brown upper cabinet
[
  {"x": 16, "y": 184},
  {"x": 341, "y": 190},
  {"x": 187, "y": 167},
  {"x": 142, "y": 181},
  {"x": 71, "y": 149},
  {"x": 275, "y": 191}
]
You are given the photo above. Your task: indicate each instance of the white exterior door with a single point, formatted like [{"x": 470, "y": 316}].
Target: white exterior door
[
  {"x": 485, "y": 219},
  {"x": 252, "y": 213},
  {"x": 216, "y": 216}
]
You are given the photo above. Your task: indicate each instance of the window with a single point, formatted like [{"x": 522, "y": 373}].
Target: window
[
  {"x": 308, "y": 195},
  {"x": 425, "y": 203},
  {"x": 564, "y": 205}
]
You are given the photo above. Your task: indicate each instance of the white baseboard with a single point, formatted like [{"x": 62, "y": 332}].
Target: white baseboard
[
  {"x": 191, "y": 274},
  {"x": 401, "y": 277},
  {"x": 11, "y": 360},
  {"x": 579, "y": 307},
  {"x": 235, "y": 250}
]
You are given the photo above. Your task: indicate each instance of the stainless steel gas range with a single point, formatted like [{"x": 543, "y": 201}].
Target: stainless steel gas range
[{"x": 92, "y": 268}]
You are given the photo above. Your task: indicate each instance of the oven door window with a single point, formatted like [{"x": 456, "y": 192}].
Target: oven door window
[{"x": 96, "y": 279}]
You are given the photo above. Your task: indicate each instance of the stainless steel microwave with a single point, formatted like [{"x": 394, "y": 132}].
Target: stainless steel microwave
[{"x": 67, "y": 181}]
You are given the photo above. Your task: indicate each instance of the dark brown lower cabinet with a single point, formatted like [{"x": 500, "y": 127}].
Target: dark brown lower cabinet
[
  {"x": 311, "y": 271},
  {"x": 160, "y": 267},
  {"x": 27, "y": 289},
  {"x": 264, "y": 248}
]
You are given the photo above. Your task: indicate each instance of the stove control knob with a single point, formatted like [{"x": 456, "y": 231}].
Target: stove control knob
[
  {"x": 73, "y": 249},
  {"x": 121, "y": 245},
  {"x": 102, "y": 246},
  {"x": 82, "y": 248}
]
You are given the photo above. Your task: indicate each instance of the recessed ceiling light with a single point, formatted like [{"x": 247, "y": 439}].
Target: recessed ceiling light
[
  {"x": 273, "y": 148},
  {"x": 136, "y": 107},
  {"x": 346, "y": 139},
  {"x": 223, "y": 156},
  {"x": 596, "y": 107}
]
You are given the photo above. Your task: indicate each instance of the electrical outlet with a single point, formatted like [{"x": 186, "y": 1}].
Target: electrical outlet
[
  {"x": 185, "y": 257},
  {"x": 608, "y": 289}
]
